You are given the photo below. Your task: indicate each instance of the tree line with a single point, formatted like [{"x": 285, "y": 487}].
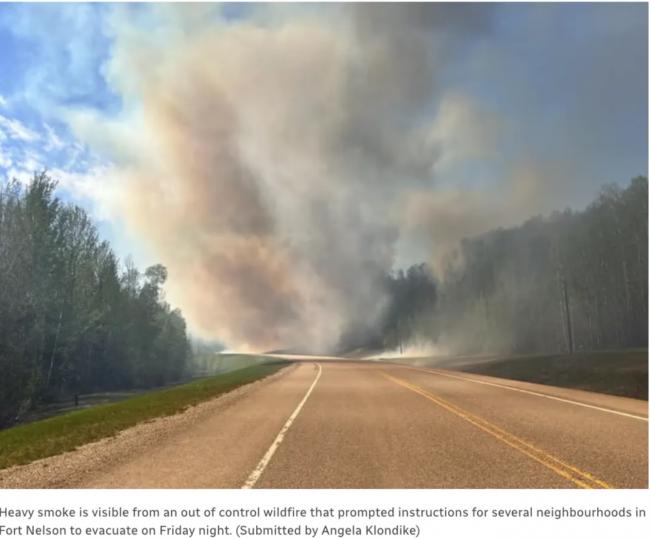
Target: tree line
[
  {"x": 575, "y": 280},
  {"x": 72, "y": 318}
]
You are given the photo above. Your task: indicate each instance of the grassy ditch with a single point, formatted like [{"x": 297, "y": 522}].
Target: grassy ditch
[
  {"x": 621, "y": 372},
  {"x": 616, "y": 372},
  {"x": 40, "y": 439}
]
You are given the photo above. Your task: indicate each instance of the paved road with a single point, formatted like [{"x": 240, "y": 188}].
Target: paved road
[{"x": 343, "y": 424}]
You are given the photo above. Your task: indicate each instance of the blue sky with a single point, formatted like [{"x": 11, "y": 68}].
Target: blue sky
[
  {"x": 44, "y": 70},
  {"x": 570, "y": 80}
]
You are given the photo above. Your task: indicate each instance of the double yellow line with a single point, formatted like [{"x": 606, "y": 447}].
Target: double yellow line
[{"x": 578, "y": 477}]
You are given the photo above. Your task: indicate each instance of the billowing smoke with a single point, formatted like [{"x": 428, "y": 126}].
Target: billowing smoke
[
  {"x": 280, "y": 161},
  {"x": 264, "y": 161}
]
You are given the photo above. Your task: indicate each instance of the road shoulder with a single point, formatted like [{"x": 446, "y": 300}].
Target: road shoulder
[{"x": 70, "y": 469}]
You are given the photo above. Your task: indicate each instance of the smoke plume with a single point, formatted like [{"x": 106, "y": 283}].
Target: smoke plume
[
  {"x": 280, "y": 163},
  {"x": 261, "y": 161}
]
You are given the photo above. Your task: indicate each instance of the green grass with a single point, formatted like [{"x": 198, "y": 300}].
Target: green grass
[
  {"x": 616, "y": 372},
  {"x": 26, "y": 443}
]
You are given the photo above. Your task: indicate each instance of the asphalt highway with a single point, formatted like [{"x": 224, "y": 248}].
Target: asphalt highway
[{"x": 360, "y": 424}]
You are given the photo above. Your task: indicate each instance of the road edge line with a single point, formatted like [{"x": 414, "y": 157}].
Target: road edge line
[
  {"x": 255, "y": 475},
  {"x": 527, "y": 391}
]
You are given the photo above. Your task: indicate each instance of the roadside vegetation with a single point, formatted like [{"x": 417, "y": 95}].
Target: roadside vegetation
[
  {"x": 570, "y": 282},
  {"x": 616, "y": 372},
  {"x": 207, "y": 364},
  {"x": 73, "y": 319},
  {"x": 26, "y": 443}
]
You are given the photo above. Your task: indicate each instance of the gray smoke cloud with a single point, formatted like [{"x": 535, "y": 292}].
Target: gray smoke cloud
[
  {"x": 262, "y": 160},
  {"x": 280, "y": 163}
]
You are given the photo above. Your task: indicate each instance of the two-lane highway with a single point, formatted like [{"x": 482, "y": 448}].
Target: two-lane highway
[
  {"x": 372, "y": 425},
  {"x": 362, "y": 424}
]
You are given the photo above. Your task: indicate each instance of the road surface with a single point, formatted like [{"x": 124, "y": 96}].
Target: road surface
[{"x": 361, "y": 424}]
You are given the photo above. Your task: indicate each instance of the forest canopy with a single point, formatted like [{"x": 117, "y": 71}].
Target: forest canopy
[
  {"x": 72, "y": 318},
  {"x": 575, "y": 280}
]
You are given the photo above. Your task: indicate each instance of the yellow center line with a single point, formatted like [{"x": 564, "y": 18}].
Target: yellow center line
[{"x": 578, "y": 477}]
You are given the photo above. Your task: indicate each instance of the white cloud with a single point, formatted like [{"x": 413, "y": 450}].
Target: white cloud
[
  {"x": 33, "y": 161},
  {"x": 53, "y": 140},
  {"x": 19, "y": 174},
  {"x": 3, "y": 101},
  {"x": 95, "y": 187},
  {"x": 5, "y": 159},
  {"x": 17, "y": 130}
]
